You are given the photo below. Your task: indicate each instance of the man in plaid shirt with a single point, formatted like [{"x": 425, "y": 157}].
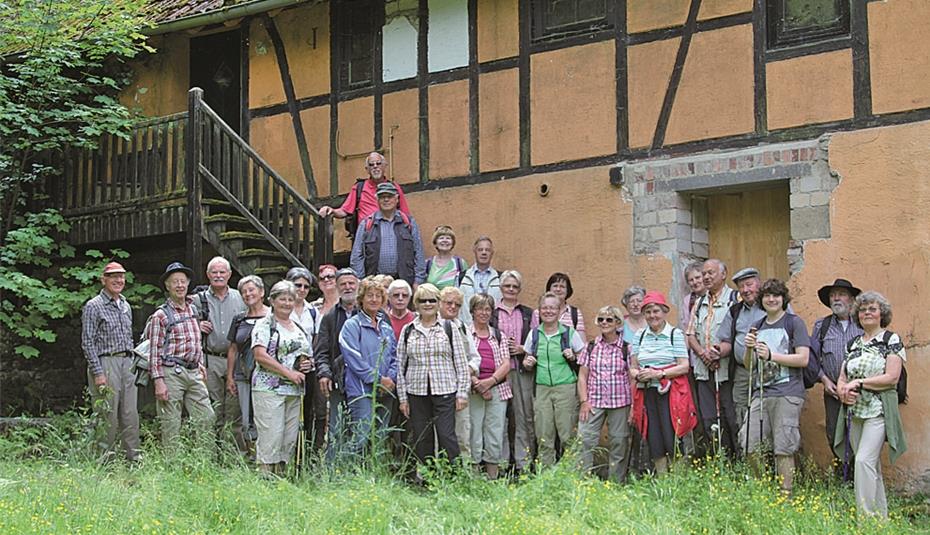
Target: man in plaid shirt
[
  {"x": 106, "y": 338},
  {"x": 176, "y": 358}
]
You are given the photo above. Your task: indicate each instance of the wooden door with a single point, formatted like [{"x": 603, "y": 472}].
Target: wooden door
[{"x": 751, "y": 228}]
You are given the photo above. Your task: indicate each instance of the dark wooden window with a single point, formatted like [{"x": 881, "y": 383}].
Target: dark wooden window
[
  {"x": 357, "y": 31},
  {"x": 553, "y": 19},
  {"x": 800, "y": 22}
]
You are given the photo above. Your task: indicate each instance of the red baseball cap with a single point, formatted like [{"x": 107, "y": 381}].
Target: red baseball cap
[
  {"x": 113, "y": 267},
  {"x": 655, "y": 298}
]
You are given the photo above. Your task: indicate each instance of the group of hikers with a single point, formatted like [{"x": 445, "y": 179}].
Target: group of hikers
[{"x": 441, "y": 358}]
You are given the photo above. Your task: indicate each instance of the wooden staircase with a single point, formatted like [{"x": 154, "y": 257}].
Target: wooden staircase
[{"x": 137, "y": 187}]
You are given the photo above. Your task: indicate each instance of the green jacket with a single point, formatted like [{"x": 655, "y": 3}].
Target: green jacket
[{"x": 894, "y": 431}]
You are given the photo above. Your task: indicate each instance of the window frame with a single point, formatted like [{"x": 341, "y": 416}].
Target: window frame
[
  {"x": 778, "y": 37},
  {"x": 538, "y": 32},
  {"x": 346, "y": 24}
]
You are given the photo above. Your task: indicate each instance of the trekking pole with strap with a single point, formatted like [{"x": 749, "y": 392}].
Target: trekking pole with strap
[
  {"x": 761, "y": 399},
  {"x": 847, "y": 445},
  {"x": 301, "y": 437},
  {"x": 748, "y": 358},
  {"x": 708, "y": 327}
]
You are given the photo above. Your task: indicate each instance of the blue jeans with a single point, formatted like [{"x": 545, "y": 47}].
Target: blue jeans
[{"x": 360, "y": 418}]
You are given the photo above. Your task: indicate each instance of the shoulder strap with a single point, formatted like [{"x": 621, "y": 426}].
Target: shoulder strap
[
  {"x": 429, "y": 264},
  {"x": 734, "y": 314},
  {"x": 447, "y": 326},
  {"x": 565, "y": 338},
  {"x": 734, "y": 296},
  {"x": 591, "y": 347},
  {"x": 886, "y": 337},
  {"x": 574, "y": 312},
  {"x": 406, "y": 334},
  {"x": 824, "y": 327},
  {"x": 204, "y": 306},
  {"x": 359, "y": 186},
  {"x": 460, "y": 266},
  {"x": 534, "y": 342},
  {"x": 369, "y": 222},
  {"x": 641, "y": 336},
  {"x": 495, "y": 333},
  {"x": 172, "y": 320}
]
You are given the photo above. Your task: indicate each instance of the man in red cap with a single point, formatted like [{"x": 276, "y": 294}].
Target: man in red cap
[
  {"x": 106, "y": 338},
  {"x": 829, "y": 338}
]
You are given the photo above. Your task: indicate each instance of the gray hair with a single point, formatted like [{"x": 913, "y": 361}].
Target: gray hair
[
  {"x": 867, "y": 298},
  {"x": 512, "y": 274},
  {"x": 694, "y": 266},
  {"x": 283, "y": 287},
  {"x": 630, "y": 292},
  {"x": 253, "y": 279},
  {"x": 399, "y": 284},
  {"x": 220, "y": 260}
]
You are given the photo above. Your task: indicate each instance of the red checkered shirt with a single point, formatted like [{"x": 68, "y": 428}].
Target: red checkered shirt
[
  {"x": 426, "y": 365},
  {"x": 183, "y": 339},
  {"x": 500, "y": 349},
  {"x": 608, "y": 375}
]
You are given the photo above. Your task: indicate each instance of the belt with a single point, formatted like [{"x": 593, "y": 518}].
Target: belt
[
  {"x": 126, "y": 353},
  {"x": 181, "y": 363}
]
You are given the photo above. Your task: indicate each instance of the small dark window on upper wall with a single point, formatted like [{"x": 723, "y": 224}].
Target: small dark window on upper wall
[
  {"x": 553, "y": 19},
  {"x": 357, "y": 31},
  {"x": 801, "y": 22}
]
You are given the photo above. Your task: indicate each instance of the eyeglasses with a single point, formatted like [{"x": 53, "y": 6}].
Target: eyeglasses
[
  {"x": 327, "y": 277},
  {"x": 606, "y": 320},
  {"x": 302, "y": 285},
  {"x": 401, "y": 296},
  {"x": 375, "y": 164},
  {"x": 871, "y": 309},
  {"x": 428, "y": 301},
  {"x": 451, "y": 303}
]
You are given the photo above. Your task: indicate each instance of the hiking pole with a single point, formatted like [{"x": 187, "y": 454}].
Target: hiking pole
[
  {"x": 716, "y": 426},
  {"x": 748, "y": 358},
  {"x": 301, "y": 437},
  {"x": 761, "y": 399}
]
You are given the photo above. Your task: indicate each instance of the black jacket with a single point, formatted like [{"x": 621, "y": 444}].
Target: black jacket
[{"x": 326, "y": 350}]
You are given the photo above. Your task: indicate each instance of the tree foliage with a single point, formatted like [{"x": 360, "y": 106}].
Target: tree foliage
[
  {"x": 62, "y": 65},
  {"x": 30, "y": 305}
]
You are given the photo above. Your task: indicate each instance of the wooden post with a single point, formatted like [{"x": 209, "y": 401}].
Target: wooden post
[
  {"x": 192, "y": 177},
  {"x": 323, "y": 242}
]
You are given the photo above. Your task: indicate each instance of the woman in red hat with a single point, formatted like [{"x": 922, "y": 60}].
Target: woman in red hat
[{"x": 662, "y": 407}]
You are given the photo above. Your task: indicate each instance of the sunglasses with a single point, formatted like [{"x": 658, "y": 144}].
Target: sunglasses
[
  {"x": 452, "y": 303},
  {"x": 428, "y": 301},
  {"x": 328, "y": 277},
  {"x": 606, "y": 320},
  {"x": 302, "y": 285}
]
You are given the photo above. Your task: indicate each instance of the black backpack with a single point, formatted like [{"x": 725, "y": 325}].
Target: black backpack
[
  {"x": 350, "y": 222},
  {"x": 901, "y": 387},
  {"x": 810, "y": 372}
]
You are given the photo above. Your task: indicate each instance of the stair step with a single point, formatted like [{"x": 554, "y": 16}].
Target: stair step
[
  {"x": 207, "y": 201},
  {"x": 241, "y": 235},
  {"x": 225, "y": 218},
  {"x": 272, "y": 270},
  {"x": 257, "y": 252}
]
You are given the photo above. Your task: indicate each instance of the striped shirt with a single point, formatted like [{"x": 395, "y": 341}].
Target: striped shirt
[
  {"x": 659, "y": 350},
  {"x": 710, "y": 313},
  {"x": 106, "y": 327},
  {"x": 608, "y": 374},
  {"x": 427, "y": 365},
  {"x": 501, "y": 351},
  {"x": 828, "y": 358},
  {"x": 183, "y": 344}
]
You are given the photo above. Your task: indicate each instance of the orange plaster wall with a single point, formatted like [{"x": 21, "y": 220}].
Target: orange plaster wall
[
  {"x": 160, "y": 82},
  {"x": 650, "y": 67},
  {"x": 309, "y": 66},
  {"x": 448, "y": 130},
  {"x": 573, "y": 103},
  {"x": 720, "y": 8},
  {"x": 355, "y": 139},
  {"x": 498, "y": 120},
  {"x": 400, "y": 116},
  {"x": 316, "y": 129},
  {"x": 899, "y": 55},
  {"x": 879, "y": 241},
  {"x": 530, "y": 232},
  {"x": 498, "y": 29},
  {"x": 809, "y": 89},
  {"x": 265, "y": 86},
  {"x": 273, "y": 138},
  {"x": 645, "y": 15},
  {"x": 715, "y": 96}
]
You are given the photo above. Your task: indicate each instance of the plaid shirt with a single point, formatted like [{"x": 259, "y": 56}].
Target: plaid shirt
[
  {"x": 608, "y": 374},
  {"x": 426, "y": 365},
  {"x": 183, "y": 339},
  {"x": 106, "y": 327},
  {"x": 828, "y": 358},
  {"x": 501, "y": 351}
]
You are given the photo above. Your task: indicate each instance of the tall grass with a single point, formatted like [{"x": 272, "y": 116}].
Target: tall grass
[{"x": 60, "y": 490}]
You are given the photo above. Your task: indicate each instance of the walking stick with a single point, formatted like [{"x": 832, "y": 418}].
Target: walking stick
[
  {"x": 301, "y": 438},
  {"x": 749, "y": 357},
  {"x": 716, "y": 427},
  {"x": 761, "y": 400},
  {"x": 847, "y": 445},
  {"x": 708, "y": 327}
]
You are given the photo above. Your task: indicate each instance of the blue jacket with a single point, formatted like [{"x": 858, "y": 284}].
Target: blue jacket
[{"x": 369, "y": 353}]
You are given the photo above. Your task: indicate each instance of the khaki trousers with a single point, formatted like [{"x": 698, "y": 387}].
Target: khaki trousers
[
  {"x": 488, "y": 427},
  {"x": 867, "y": 438},
  {"x": 463, "y": 432},
  {"x": 277, "y": 419},
  {"x": 186, "y": 389},
  {"x": 523, "y": 385},
  {"x": 225, "y": 405},
  {"x": 618, "y": 432},
  {"x": 116, "y": 409},
  {"x": 556, "y": 409}
]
